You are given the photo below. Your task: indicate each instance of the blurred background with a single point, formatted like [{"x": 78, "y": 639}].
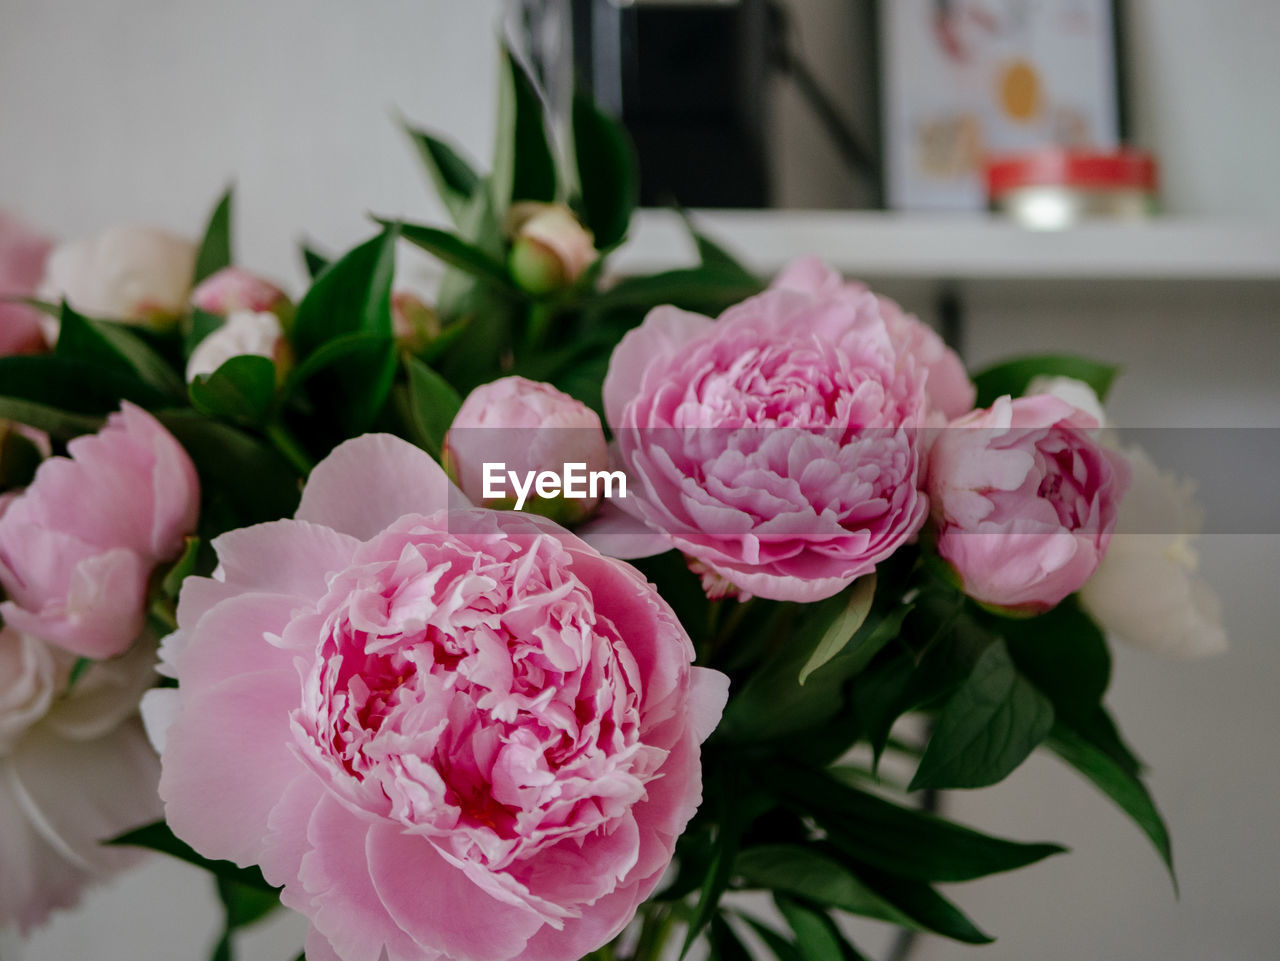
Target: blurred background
[{"x": 143, "y": 110}]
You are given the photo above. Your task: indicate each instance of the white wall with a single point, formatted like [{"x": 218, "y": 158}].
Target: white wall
[{"x": 142, "y": 109}]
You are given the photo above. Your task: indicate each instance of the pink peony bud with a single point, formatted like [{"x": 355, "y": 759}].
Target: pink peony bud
[
  {"x": 243, "y": 332},
  {"x": 133, "y": 274},
  {"x": 1024, "y": 501},
  {"x": 521, "y": 427},
  {"x": 78, "y": 546},
  {"x": 414, "y": 322},
  {"x": 22, "y": 259},
  {"x": 234, "y": 289},
  {"x": 550, "y": 248}
]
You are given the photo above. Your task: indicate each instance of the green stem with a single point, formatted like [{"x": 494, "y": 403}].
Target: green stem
[
  {"x": 289, "y": 447},
  {"x": 540, "y": 317}
]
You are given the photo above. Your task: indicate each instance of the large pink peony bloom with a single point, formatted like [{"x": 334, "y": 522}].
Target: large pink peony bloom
[
  {"x": 22, "y": 259},
  {"x": 77, "y": 547},
  {"x": 777, "y": 446},
  {"x": 448, "y": 734},
  {"x": 75, "y": 770},
  {"x": 1024, "y": 500}
]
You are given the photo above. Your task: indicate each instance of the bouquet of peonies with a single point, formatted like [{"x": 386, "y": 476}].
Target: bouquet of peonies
[{"x": 534, "y": 622}]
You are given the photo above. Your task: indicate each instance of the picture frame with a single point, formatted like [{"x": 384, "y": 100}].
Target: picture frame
[{"x": 962, "y": 79}]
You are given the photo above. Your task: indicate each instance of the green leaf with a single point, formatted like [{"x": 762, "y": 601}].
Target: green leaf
[
  {"x": 243, "y": 389},
  {"x": 433, "y": 405},
  {"x": 112, "y": 346},
  {"x": 215, "y": 248},
  {"x": 456, "y": 252},
  {"x": 348, "y": 379},
  {"x": 58, "y": 424},
  {"x": 351, "y": 296},
  {"x": 1123, "y": 787},
  {"x": 182, "y": 568},
  {"x": 1064, "y": 654},
  {"x": 909, "y": 843},
  {"x": 725, "y": 945},
  {"x": 607, "y": 174},
  {"x": 715, "y": 257},
  {"x": 987, "y": 728},
  {"x": 254, "y": 481},
  {"x": 523, "y": 165},
  {"x": 314, "y": 261},
  {"x": 245, "y": 904},
  {"x": 778, "y": 946},
  {"x": 857, "y": 605},
  {"x": 691, "y": 288},
  {"x": 454, "y": 178},
  {"x": 157, "y": 837},
  {"x": 1012, "y": 377},
  {"x": 925, "y": 906},
  {"x": 773, "y": 704},
  {"x": 72, "y": 385},
  {"x": 806, "y": 874},
  {"x": 817, "y": 938}
]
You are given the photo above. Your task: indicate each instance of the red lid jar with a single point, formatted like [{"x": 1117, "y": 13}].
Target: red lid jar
[{"x": 1055, "y": 187}]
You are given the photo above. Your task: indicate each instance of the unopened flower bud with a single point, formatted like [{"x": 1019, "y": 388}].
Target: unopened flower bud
[
  {"x": 233, "y": 289},
  {"x": 510, "y": 432},
  {"x": 550, "y": 249},
  {"x": 414, "y": 322}
]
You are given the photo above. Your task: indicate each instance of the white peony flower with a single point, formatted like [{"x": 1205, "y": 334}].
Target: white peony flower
[
  {"x": 132, "y": 273},
  {"x": 1074, "y": 392},
  {"x": 1147, "y": 591},
  {"x": 75, "y": 770},
  {"x": 244, "y": 332}
]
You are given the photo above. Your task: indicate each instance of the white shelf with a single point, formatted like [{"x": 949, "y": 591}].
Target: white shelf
[{"x": 960, "y": 248}]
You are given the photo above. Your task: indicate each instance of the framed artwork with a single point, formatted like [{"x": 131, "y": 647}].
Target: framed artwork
[{"x": 962, "y": 78}]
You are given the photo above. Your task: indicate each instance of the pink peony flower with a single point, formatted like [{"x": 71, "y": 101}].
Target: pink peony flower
[
  {"x": 236, "y": 289},
  {"x": 777, "y": 446},
  {"x": 526, "y": 426},
  {"x": 77, "y": 547},
  {"x": 22, "y": 258},
  {"x": 75, "y": 770},
  {"x": 1024, "y": 500},
  {"x": 448, "y": 734},
  {"x": 948, "y": 387}
]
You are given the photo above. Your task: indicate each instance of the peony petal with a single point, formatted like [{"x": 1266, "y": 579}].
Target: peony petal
[
  {"x": 708, "y": 694},
  {"x": 616, "y": 533},
  {"x": 457, "y": 918},
  {"x": 283, "y": 557},
  {"x": 37, "y": 879},
  {"x": 368, "y": 483},
  {"x": 665, "y": 331},
  {"x": 241, "y": 725}
]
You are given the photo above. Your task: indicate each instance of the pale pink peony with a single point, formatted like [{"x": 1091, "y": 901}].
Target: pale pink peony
[
  {"x": 75, "y": 770},
  {"x": 1024, "y": 500},
  {"x": 448, "y": 734},
  {"x": 527, "y": 426},
  {"x": 135, "y": 274},
  {"x": 77, "y": 547},
  {"x": 948, "y": 387},
  {"x": 22, "y": 258},
  {"x": 235, "y": 289},
  {"x": 778, "y": 445}
]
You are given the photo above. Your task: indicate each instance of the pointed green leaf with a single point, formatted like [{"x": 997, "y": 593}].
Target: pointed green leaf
[
  {"x": 456, "y": 252},
  {"x": 709, "y": 289},
  {"x": 433, "y": 403},
  {"x": 242, "y": 389},
  {"x": 523, "y": 165},
  {"x": 857, "y": 605},
  {"x": 713, "y": 256},
  {"x": 348, "y": 380},
  {"x": 925, "y": 906},
  {"x": 352, "y": 295},
  {"x": 902, "y": 841},
  {"x": 314, "y": 261},
  {"x": 112, "y": 346},
  {"x": 607, "y": 177},
  {"x": 987, "y": 728},
  {"x": 817, "y": 938},
  {"x": 1123, "y": 787},
  {"x": 56, "y": 423},
  {"x": 778, "y": 946},
  {"x": 454, "y": 178},
  {"x": 1064, "y": 654},
  {"x": 215, "y": 249},
  {"x": 1012, "y": 376},
  {"x": 157, "y": 837}
]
